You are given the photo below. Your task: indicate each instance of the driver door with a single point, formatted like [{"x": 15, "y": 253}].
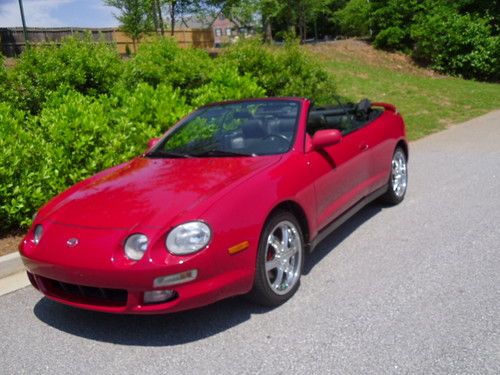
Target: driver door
[{"x": 340, "y": 172}]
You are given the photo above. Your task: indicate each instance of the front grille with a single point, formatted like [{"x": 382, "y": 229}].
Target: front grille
[{"x": 84, "y": 294}]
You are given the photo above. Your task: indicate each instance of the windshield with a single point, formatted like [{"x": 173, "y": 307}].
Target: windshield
[{"x": 235, "y": 129}]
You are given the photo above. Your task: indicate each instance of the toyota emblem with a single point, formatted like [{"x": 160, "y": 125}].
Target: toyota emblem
[{"x": 72, "y": 242}]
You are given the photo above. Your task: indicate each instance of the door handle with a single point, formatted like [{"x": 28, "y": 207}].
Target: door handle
[{"x": 363, "y": 147}]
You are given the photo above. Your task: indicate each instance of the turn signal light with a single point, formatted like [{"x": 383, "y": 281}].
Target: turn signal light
[{"x": 174, "y": 279}]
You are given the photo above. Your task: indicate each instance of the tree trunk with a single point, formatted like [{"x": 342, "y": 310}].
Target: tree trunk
[
  {"x": 266, "y": 26},
  {"x": 302, "y": 22},
  {"x": 160, "y": 17},
  {"x": 154, "y": 13},
  {"x": 269, "y": 31},
  {"x": 172, "y": 17}
]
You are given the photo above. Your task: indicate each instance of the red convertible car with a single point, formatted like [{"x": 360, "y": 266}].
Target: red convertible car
[{"x": 227, "y": 202}]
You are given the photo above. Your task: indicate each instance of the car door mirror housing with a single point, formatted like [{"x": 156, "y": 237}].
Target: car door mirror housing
[
  {"x": 325, "y": 138},
  {"x": 152, "y": 142}
]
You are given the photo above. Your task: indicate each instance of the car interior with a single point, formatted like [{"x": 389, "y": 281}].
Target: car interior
[
  {"x": 344, "y": 117},
  {"x": 268, "y": 130}
]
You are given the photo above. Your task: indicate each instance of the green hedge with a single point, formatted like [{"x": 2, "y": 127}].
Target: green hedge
[
  {"x": 69, "y": 111},
  {"x": 458, "y": 44},
  {"x": 79, "y": 64}
]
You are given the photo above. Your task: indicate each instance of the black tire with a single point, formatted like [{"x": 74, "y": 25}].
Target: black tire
[
  {"x": 264, "y": 291},
  {"x": 398, "y": 178}
]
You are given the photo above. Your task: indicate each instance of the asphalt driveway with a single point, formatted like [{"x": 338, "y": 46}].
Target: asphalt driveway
[{"x": 409, "y": 289}]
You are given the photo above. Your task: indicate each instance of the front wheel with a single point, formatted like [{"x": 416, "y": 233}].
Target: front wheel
[
  {"x": 398, "y": 180},
  {"x": 279, "y": 260}
]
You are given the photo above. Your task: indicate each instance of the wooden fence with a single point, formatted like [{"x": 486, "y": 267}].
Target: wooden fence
[
  {"x": 200, "y": 38},
  {"x": 12, "y": 39}
]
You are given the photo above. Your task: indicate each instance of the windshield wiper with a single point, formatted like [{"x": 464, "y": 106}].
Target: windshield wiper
[
  {"x": 167, "y": 154},
  {"x": 220, "y": 153}
]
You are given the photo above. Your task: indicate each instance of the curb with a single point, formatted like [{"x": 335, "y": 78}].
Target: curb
[{"x": 10, "y": 264}]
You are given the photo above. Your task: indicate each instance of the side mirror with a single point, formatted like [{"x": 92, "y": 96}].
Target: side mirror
[
  {"x": 152, "y": 142},
  {"x": 325, "y": 138}
]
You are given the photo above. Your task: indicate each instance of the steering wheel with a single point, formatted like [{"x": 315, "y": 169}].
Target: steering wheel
[{"x": 276, "y": 135}]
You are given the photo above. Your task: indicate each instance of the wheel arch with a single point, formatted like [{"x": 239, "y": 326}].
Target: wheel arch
[
  {"x": 402, "y": 143},
  {"x": 297, "y": 210}
]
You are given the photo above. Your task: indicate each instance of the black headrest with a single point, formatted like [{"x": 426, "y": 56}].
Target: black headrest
[{"x": 363, "y": 106}]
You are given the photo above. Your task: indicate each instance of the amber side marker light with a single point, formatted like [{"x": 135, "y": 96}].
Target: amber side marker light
[{"x": 239, "y": 247}]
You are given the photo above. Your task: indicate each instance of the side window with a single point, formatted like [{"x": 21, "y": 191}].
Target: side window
[
  {"x": 345, "y": 120},
  {"x": 359, "y": 119},
  {"x": 335, "y": 119},
  {"x": 342, "y": 122},
  {"x": 218, "y": 32}
]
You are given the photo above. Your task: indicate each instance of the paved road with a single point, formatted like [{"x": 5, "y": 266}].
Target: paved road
[{"x": 409, "y": 289}]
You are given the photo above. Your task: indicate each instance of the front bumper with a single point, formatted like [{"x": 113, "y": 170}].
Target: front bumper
[
  {"x": 96, "y": 275},
  {"x": 58, "y": 284}
]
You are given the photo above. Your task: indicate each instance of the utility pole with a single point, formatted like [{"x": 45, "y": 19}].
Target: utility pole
[{"x": 24, "y": 22}]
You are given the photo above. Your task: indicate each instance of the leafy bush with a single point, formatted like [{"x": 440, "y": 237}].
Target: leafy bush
[
  {"x": 392, "y": 38},
  {"x": 21, "y": 168},
  {"x": 458, "y": 44},
  {"x": 253, "y": 58},
  {"x": 287, "y": 71},
  {"x": 3, "y": 72},
  {"x": 157, "y": 108},
  {"x": 227, "y": 84},
  {"x": 80, "y": 64},
  {"x": 161, "y": 60}
]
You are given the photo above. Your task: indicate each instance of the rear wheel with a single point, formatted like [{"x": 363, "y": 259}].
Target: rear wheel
[
  {"x": 398, "y": 180},
  {"x": 279, "y": 260}
]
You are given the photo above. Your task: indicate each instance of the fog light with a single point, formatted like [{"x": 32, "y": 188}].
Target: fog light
[
  {"x": 37, "y": 235},
  {"x": 156, "y": 296},
  {"x": 176, "y": 278}
]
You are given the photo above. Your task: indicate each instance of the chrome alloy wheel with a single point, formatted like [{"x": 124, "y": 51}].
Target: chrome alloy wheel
[
  {"x": 283, "y": 257},
  {"x": 399, "y": 176}
]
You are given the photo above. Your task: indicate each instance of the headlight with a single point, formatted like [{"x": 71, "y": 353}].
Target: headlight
[
  {"x": 188, "y": 238},
  {"x": 135, "y": 246},
  {"x": 37, "y": 236}
]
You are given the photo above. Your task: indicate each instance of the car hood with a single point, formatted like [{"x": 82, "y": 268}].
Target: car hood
[{"x": 154, "y": 192}]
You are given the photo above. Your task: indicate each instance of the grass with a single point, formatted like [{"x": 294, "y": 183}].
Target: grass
[{"x": 428, "y": 102}]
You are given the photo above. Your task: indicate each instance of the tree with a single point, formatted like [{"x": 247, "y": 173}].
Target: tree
[
  {"x": 354, "y": 18},
  {"x": 308, "y": 11},
  {"x": 177, "y": 8},
  {"x": 157, "y": 16},
  {"x": 276, "y": 15},
  {"x": 134, "y": 17},
  {"x": 391, "y": 21},
  {"x": 238, "y": 11}
]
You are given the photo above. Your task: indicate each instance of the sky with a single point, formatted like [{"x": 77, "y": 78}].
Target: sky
[{"x": 57, "y": 13}]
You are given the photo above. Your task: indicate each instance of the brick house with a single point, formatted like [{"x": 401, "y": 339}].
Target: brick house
[{"x": 224, "y": 30}]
